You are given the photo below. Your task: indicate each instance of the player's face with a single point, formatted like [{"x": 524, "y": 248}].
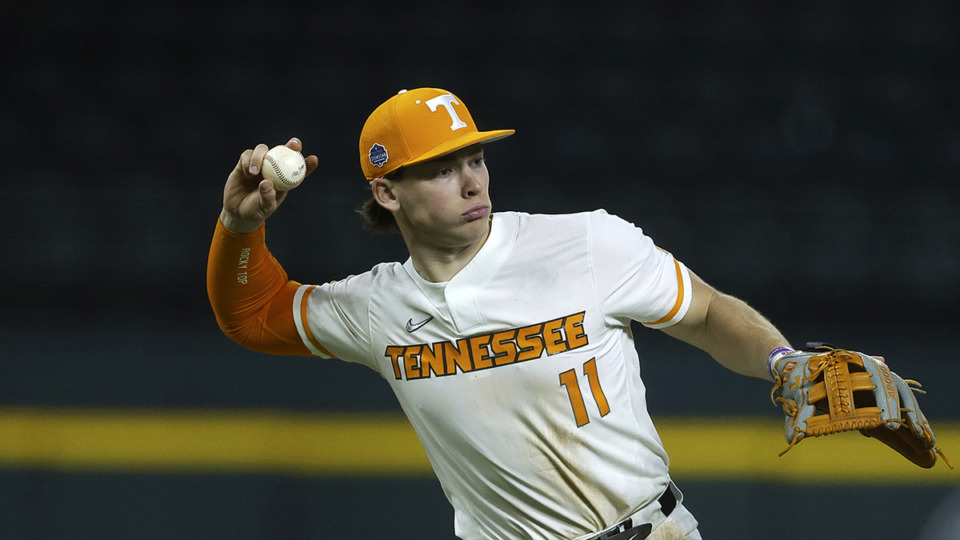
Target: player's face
[{"x": 444, "y": 202}]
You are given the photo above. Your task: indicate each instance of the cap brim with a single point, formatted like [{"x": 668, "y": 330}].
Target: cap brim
[{"x": 461, "y": 142}]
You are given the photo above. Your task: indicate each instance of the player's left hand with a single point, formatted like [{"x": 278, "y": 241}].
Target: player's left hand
[{"x": 825, "y": 391}]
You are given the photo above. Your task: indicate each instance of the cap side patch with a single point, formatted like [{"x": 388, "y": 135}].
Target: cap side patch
[{"x": 378, "y": 155}]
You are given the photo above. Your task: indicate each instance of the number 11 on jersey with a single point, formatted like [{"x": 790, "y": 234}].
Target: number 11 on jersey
[{"x": 571, "y": 382}]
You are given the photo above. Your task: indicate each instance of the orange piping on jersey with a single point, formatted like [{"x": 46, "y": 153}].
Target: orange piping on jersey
[
  {"x": 676, "y": 307},
  {"x": 306, "y": 324}
]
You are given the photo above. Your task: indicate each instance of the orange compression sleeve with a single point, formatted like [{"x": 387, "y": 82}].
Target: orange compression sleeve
[{"x": 250, "y": 293}]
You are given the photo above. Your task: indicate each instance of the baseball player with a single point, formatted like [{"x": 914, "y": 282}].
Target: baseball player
[{"x": 505, "y": 336}]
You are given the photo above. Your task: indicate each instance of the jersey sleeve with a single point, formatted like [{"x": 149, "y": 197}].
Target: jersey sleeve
[
  {"x": 635, "y": 279},
  {"x": 333, "y": 319},
  {"x": 250, "y": 293},
  {"x": 257, "y": 306}
]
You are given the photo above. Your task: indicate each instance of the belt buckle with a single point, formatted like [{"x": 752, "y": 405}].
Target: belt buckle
[{"x": 625, "y": 531}]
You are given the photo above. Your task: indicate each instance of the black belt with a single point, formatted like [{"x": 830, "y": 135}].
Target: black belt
[{"x": 626, "y": 530}]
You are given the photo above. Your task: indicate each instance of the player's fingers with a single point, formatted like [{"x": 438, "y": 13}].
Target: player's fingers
[
  {"x": 312, "y": 163},
  {"x": 270, "y": 198},
  {"x": 280, "y": 196},
  {"x": 239, "y": 183},
  {"x": 243, "y": 164},
  {"x": 880, "y": 359},
  {"x": 295, "y": 144},
  {"x": 256, "y": 159},
  {"x": 311, "y": 160}
]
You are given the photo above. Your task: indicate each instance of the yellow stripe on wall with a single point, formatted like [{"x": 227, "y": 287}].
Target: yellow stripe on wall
[
  {"x": 746, "y": 449},
  {"x": 214, "y": 441},
  {"x": 384, "y": 445}
]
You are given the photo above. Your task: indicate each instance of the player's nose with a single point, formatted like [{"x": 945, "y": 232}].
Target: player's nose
[{"x": 470, "y": 182}]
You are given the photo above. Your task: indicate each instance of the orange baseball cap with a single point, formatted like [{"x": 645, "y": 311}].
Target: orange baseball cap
[{"x": 416, "y": 126}]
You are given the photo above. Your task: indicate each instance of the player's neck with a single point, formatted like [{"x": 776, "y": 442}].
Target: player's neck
[{"x": 438, "y": 263}]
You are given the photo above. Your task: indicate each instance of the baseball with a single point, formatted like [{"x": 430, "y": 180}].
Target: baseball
[{"x": 284, "y": 167}]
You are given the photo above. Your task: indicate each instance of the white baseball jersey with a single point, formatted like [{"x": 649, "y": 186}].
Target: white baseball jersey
[{"x": 520, "y": 375}]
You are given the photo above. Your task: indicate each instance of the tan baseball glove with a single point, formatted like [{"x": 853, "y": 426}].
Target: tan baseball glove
[{"x": 827, "y": 390}]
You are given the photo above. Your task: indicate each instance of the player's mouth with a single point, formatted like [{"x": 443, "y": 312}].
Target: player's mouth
[{"x": 477, "y": 212}]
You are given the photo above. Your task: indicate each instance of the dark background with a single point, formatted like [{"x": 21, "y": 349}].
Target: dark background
[{"x": 803, "y": 157}]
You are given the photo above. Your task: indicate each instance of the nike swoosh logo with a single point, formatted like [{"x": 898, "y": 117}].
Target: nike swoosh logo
[{"x": 413, "y": 327}]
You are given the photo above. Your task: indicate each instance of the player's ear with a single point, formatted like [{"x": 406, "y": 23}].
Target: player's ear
[{"x": 383, "y": 193}]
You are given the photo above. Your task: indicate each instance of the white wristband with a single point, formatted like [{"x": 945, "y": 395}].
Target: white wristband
[{"x": 775, "y": 355}]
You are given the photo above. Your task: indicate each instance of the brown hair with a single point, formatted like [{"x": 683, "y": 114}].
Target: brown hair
[{"x": 376, "y": 218}]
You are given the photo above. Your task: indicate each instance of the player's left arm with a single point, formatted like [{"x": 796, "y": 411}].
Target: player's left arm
[{"x": 733, "y": 333}]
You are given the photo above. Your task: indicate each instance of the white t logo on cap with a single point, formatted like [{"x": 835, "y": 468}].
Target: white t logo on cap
[{"x": 446, "y": 101}]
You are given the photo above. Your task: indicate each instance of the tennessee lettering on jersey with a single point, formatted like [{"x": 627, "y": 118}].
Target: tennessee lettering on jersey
[{"x": 486, "y": 351}]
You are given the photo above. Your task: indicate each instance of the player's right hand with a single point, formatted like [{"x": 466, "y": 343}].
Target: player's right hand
[{"x": 248, "y": 198}]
